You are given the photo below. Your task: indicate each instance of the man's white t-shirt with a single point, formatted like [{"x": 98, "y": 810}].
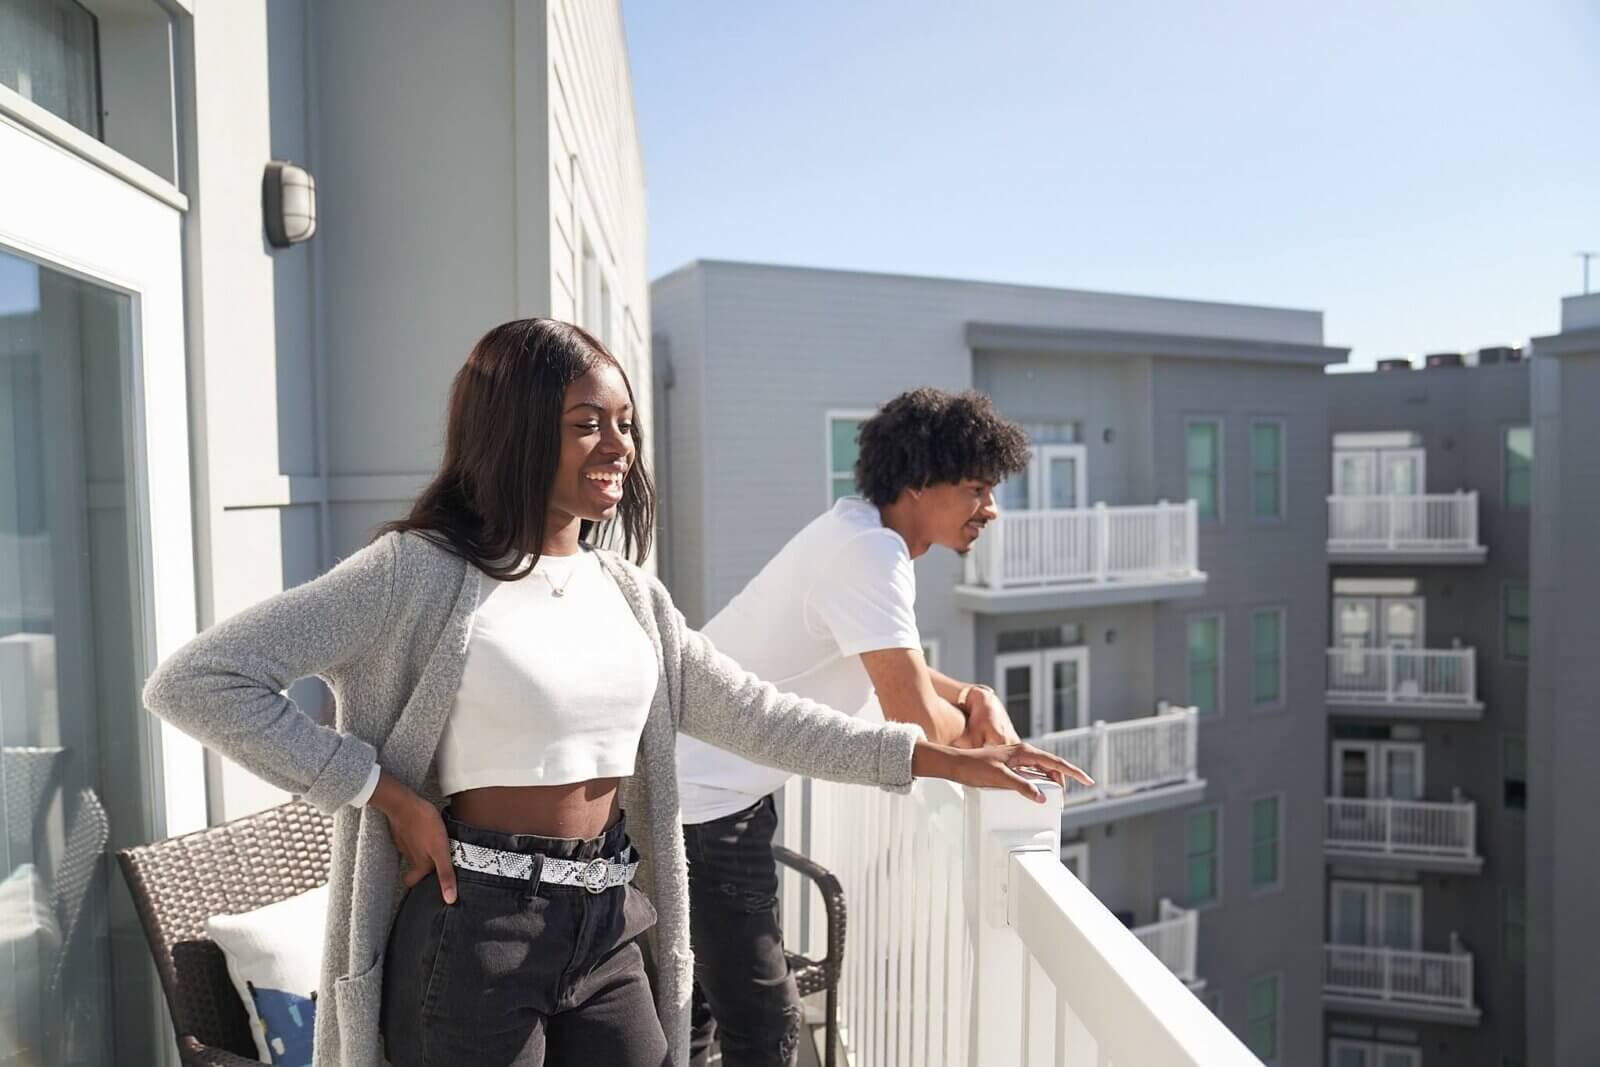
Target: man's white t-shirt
[{"x": 842, "y": 586}]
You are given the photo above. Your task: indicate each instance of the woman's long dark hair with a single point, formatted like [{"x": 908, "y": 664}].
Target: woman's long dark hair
[{"x": 502, "y": 445}]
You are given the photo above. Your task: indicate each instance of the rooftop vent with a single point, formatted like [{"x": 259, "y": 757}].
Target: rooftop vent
[
  {"x": 1444, "y": 359},
  {"x": 1395, "y": 363}
]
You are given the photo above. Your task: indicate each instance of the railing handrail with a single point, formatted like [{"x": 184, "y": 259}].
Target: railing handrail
[
  {"x": 1096, "y": 544},
  {"x": 1464, "y": 652},
  {"x": 1062, "y": 923},
  {"x": 1454, "y": 806},
  {"x": 1460, "y": 494},
  {"x": 1162, "y": 717},
  {"x": 1090, "y": 509},
  {"x": 1399, "y": 953}
]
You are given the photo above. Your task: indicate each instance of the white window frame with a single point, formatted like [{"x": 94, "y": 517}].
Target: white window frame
[
  {"x": 1282, "y": 612},
  {"x": 1378, "y": 636},
  {"x": 828, "y": 419},
  {"x": 1038, "y": 475},
  {"x": 1377, "y": 471},
  {"x": 1277, "y": 1027},
  {"x": 1039, "y": 662},
  {"x": 1078, "y": 852},
  {"x": 930, "y": 652},
  {"x": 1222, "y": 659},
  {"x": 78, "y": 218}
]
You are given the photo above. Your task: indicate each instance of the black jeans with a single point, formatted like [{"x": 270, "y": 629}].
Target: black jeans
[
  {"x": 519, "y": 974},
  {"x": 743, "y": 995}
]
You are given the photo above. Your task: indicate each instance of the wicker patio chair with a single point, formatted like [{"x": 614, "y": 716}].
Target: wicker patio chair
[
  {"x": 179, "y": 883},
  {"x": 814, "y": 976}
]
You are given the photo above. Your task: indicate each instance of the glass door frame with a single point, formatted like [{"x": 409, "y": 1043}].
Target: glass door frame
[
  {"x": 1040, "y": 696},
  {"x": 1373, "y": 895},
  {"x": 1377, "y": 754},
  {"x": 74, "y": 217}
]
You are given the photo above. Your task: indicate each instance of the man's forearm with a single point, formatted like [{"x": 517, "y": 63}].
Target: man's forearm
[{"x": 941, "y": 721}]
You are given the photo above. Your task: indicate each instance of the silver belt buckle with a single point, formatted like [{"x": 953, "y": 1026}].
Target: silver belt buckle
[{"x": 593, "y": 876}]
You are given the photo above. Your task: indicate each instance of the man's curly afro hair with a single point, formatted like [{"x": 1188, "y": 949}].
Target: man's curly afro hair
[{"x": 930, "y": 437}]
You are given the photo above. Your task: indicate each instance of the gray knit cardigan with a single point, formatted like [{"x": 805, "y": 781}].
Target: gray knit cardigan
[{"x": 388, "y": 629}]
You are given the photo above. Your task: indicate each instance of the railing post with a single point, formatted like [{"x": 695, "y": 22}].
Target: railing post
[
  {"x": 1000, "y": 823},
  {"x": 1386, "y": 508},
  {"x": 1191, "y": 727},
  {"x": 1102, "y": 538},
  {"x": 1472, "y": 674},
  {"x": 1472, "y": 828},
  {"x": 1102, "y": 760},
  {"x": 1192, "y": 534},
  {"x": 1391, "y": 685},
  {"x": 997, "y": 556},
  {"x": 1388, "y": 824},
  {"x": 1388, "y": 972}
]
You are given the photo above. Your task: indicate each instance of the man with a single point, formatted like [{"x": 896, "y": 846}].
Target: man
[{"x": 832, "y": 617}]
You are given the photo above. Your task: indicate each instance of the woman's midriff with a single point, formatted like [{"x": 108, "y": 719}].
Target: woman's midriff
[{"x": 579, "y": 810}]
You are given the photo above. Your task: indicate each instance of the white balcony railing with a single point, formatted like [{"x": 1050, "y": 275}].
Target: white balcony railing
[
  {"x": 1403, "y": 827},
  {"x": 970, "y": 945},
  {"x": 1174, "y": 939},
  {"x": 1403, "y": 676},
  {"x": 1437, "y": 523},
  {"x": 1130, "y": 756},
  {"x": 1098, "y": 545},
  {"x": 1395, "y": 976}
]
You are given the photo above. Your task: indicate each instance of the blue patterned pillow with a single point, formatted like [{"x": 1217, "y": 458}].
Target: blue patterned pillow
[{"x": 275, "y": 960}]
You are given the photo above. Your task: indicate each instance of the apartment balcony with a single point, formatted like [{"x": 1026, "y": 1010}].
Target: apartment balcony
[
  {"x": 1139, "y": 766},
  {"x": 970, "y": 945},
  {"x": 1083, "y": 557},
  {"x": 1398, "y": 984},
  {"x": 1441, "y": 528},
  {"x": 1174, "y": 939},
  {"x": 1408, "y": 683},
  {"x": 1406, "y": 834}
]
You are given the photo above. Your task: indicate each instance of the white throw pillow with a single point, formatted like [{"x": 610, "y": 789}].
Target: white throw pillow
[{"x": 275, "y": 960}]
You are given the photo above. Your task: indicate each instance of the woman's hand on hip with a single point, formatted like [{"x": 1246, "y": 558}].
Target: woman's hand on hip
[
  {"x": 994, "y": 767},
  {"x": 418, "y": 832}
]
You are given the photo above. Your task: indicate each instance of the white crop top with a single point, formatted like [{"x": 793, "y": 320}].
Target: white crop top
[{"x": 556, "y": 688}]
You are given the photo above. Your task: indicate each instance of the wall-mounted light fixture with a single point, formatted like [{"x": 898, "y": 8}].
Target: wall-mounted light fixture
[{"x": 288, "y": 203}]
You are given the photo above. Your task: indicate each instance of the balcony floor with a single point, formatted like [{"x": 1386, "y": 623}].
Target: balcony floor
[
  {"x": 1448, "y": 557},
  {"x": 1403, "y": 1009},
  {"x": 1062, "y": 596},
  {"x": 1356, "y": 707},
  {"x": 1403, "y": 861},
  {"x": 1144, "y": 802}
]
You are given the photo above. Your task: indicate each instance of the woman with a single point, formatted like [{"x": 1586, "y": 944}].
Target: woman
[{"x": 481, "y": 651}]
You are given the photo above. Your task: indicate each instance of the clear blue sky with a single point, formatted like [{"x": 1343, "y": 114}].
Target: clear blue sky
[{"x": 1420, "y": 170}]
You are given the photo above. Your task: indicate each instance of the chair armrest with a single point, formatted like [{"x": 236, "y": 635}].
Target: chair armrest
[
  {"x": 197, "y": 1055},
  {"x": 832, "y": 902}
]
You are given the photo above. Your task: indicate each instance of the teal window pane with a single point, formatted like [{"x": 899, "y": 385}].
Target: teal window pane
[
  {"x": 1266, "y": 466},
  {"x": 1205, "y": 639},
  {"x": 1200, "y": 847},
  {"x": 1201, "y": 453},
  {"x": 1261, "y": 1032},
  {"x": 1264, "y": 835},
  {"x": 844, "y": 449},
  {"x": 1266, "y": 643},
  {"x": 1519, "y": 467}
]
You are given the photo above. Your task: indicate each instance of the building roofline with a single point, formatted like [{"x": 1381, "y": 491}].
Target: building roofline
[
  {"x": 989, "y": 284},
  {"x": 1568, "y": 342},
  {"x": 1066, "y": 340}
]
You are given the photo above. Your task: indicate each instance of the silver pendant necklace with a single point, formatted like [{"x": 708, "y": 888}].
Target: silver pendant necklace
[{"x": 559, "y": 590}]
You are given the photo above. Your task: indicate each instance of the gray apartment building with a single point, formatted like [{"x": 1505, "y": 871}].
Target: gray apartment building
[
  {"x": 1427, "y": 665},
  {"x": 1563, "y": 862},
  {"x": 1153, "y": 602}
]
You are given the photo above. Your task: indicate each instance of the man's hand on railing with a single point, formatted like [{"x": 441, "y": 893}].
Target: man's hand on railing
[
  {"x": 994, "y": 767},
  {"x": 988, "y": 722}
]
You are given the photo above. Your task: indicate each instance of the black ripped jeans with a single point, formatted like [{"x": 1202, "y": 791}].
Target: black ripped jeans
[{"x": 743, "y": 995}]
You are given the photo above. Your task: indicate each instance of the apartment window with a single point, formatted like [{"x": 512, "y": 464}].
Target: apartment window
[
  {"x": 1202, "y": 849},
  {"x": 842, "y": 451},
  {"x": 1514, "y": 929},
  {"x": 1205, "y": 663},
  {"x": 1203, "y": 461},
  {"x": 1266, "y": 652},
  {"x": 51, "y": 57},
  {"x": 1517, "y": 620},
  {"x": 1261, "y": 1028},
  {"x": 930, "y": 652},
  {"x": 1514, "y": 771},
  {"x": 1266, "y": 831},
  {"x": 1266, "y": 470},
  {"x": 1519, "y": 467}
]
